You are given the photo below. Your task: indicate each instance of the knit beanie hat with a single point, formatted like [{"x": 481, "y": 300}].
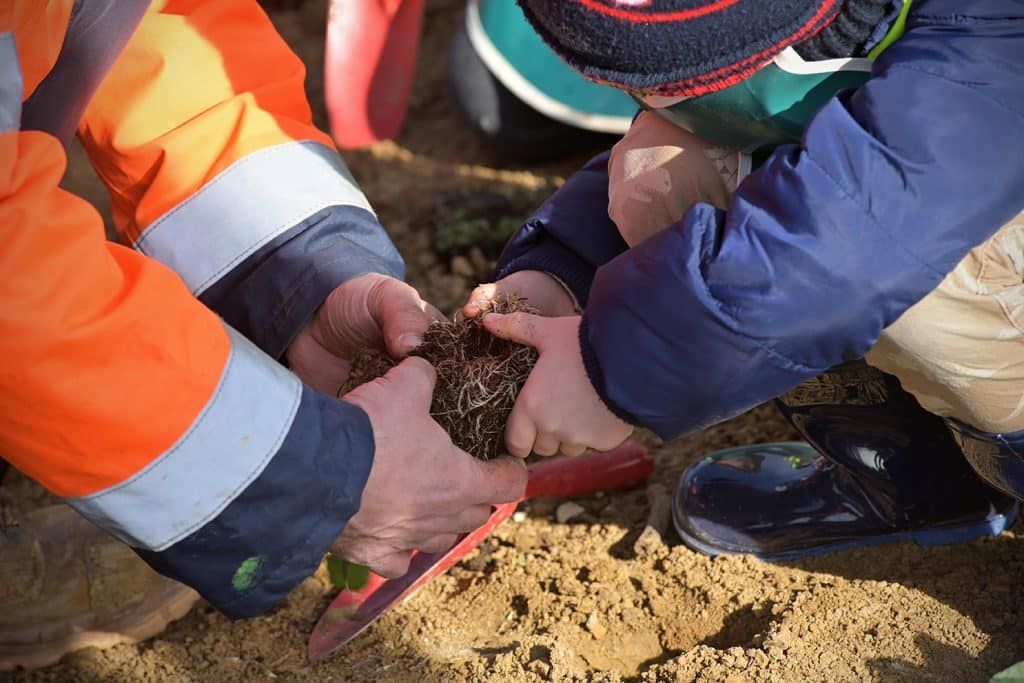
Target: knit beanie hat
[{"x": 684, "y": 47}]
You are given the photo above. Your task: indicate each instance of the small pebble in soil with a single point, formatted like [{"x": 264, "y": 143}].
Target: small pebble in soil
[{"x": 568, "y": 511}]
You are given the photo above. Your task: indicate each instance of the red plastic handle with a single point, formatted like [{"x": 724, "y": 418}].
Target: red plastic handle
[
  {"x": 563, "y": 477},
  {"x": 370, "y": 60}
]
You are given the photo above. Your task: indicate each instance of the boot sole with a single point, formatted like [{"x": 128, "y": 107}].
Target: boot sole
[{"x": 44, "y": 654}]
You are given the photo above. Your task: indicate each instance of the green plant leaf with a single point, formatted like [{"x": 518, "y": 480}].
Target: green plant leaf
[
  {"x": 358, "y": 576},
  {"x": 336, "y": 571},
  {"x": 344, "y": 574},
  {"x": 1015, "y": 674}
]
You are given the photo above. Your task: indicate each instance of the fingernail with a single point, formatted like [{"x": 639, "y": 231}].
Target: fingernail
[{"x": 410, "y": 341}]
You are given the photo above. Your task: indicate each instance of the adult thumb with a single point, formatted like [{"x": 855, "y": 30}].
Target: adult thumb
[
  {"x": 403, "y": 317},
  {"x": 417, "y": 377},
  {"x": 502, "y": 480}
]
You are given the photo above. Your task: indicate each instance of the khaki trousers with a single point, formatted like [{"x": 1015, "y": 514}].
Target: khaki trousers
[{"x": 959, "y": 351}]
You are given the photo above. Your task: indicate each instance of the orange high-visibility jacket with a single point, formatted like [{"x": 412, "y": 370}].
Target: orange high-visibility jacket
[{"x": 140, "y": 382}]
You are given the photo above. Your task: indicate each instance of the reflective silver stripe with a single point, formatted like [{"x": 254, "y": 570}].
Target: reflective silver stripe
[
  {"x": 248, "y": 204},
  {"x": 10, "y": 84},
  {"x": 226, "y": 448}
]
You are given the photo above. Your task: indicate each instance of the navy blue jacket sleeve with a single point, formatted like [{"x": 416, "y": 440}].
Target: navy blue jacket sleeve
[
  {"x": 829, "y": 242},
  {"x": 277, "y": 529},
  {"x": 570, "y": 235},
  {"x": 270, "y": 295}
]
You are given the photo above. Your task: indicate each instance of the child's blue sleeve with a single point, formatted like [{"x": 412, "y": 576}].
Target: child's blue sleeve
[
  {"x": 570, "y": 235},
  {"x": 829, "y": 242}
]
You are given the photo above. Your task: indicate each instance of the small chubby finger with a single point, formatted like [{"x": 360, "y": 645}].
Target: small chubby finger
[
  {"x": 480, "y": 299},
  {"x": 520, "y": 433},
  {"x": 572, "y": 449},
  {"x": 524, "y": 328},
  {"x": 545, "y": 444}
]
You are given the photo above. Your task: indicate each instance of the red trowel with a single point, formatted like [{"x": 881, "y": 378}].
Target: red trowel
[
  {"x": 370, "y": 60},
  {"x": 354, "y": 610}
]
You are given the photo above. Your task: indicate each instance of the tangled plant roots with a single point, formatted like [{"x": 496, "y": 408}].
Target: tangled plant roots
[{"x": 478, "y": 378}]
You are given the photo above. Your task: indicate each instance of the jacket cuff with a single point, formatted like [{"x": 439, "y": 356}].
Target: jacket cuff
[
  {"x": 273, "y": 293},
  {"x": 265, "y": 241},
  {"x": 545, "y": 254},
  {"x": 244, "y": 504},
  {"x": 596, "y": 375},
  {"x": 275, "y": 533},
  {"x": 551, "y": 239}
]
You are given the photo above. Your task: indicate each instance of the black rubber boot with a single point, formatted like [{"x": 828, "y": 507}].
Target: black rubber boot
[
  {"x": 997, "y": 458},
  {"x": 878, "y": 468}
]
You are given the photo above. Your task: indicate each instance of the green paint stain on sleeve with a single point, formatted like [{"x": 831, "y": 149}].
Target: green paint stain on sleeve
[{"x": 247, "y": 574}]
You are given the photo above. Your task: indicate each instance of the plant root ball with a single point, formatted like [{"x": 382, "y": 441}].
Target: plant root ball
[{"x": 478, "y": 377}]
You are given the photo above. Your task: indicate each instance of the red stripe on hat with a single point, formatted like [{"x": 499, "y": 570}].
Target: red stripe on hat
[
  {"x": 734, "y": 73},
  {"x": 658, "y": 17}
]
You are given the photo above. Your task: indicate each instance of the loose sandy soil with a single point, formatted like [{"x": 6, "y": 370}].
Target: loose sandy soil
[{"x": 544, "y": 601}]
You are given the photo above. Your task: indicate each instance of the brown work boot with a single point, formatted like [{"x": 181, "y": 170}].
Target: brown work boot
[{"x": 66, "y": 584}]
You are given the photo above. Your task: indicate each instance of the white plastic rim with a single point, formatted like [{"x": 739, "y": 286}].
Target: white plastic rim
[{"x": 789, "y": 60}]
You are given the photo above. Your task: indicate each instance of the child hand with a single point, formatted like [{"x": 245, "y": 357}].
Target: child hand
[
  {"x": 542, "y": 291},
  {"x": 558, "y": 408}
]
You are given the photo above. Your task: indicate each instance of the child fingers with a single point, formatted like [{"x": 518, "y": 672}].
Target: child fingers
[
  {"x": 520, "y": 433},
  {"x": 480, "y": 299},
  {"x": 524, "y": 328},
  {"x": 572, "y": 449},
  {"x": 546, "y": 444}
]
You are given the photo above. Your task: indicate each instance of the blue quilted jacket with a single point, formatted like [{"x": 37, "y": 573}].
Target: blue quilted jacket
[{"x": 826, "y": 244}]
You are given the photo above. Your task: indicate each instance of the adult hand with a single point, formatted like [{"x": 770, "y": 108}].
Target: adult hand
[
  {"x": 541, "y": 290},
  {"x": 371, "y": 311},
  {"x": 558, "y": 408},
  {"x": 422, "y": 491}
]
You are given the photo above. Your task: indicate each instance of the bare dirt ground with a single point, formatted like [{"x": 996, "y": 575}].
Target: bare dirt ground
[{"x": 548, "y": 601}]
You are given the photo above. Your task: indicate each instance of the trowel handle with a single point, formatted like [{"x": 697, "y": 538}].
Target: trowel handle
[{"x": 622, "y": 467}]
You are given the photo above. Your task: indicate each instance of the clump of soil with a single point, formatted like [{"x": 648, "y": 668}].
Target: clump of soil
[{"x": 478, "y": 377}]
